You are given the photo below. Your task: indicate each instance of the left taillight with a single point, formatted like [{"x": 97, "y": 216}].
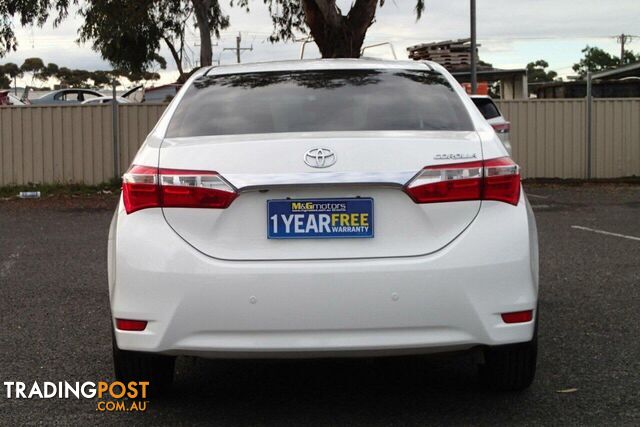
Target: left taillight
[
  {"x": 495, "y": 179},
  {"x": 148, "y": 187}
]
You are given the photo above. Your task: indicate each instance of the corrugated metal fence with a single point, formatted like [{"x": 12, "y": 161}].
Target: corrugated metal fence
[
  {"x": 69, "y": 144},
  {"x": 549, "y": 137},
  {"x": 63, "y": 144}
]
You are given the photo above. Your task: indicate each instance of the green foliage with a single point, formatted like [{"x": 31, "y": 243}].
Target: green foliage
[
  {"x": 51, "y": 70},
  {"x": 596, "y": 59},
  {"x": 537, "y": 72},
  {"x": 129, "y": 33},
  {"x": 7, "y": 73},
  {"x": 288, "y": 17},
  {"x": 124, "y": 32},
  {"x": 27, "y": 12},
  {"x": 69, "y": 77},
  {"x": 101, "y": 79},
  {"x": 5, "y": 82},
  {"x": 630, "y": 57},
  {"x": 136, "y": 77},
  {"x": 35, "y": 67},
  {"x": 12, "y": 70},
  {"x": 32, "y": 65}
]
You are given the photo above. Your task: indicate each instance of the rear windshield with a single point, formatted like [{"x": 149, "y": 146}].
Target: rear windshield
[
  {"x": 316, "y": 101},
  {"x": 487, "y": 108}
]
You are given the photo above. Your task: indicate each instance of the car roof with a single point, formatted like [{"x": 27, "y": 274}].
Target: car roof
[
  {"x": 320, "y": 64},
  {"x": 67, "y": 89},
  {"x": 480, "y": 97}
]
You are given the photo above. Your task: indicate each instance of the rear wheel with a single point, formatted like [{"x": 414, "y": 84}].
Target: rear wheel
[
  {"x": 510, "y": 367},
  {"x": 138, "y": 366}
]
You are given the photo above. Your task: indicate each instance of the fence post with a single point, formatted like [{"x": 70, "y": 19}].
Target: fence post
[
  {"x": 589, "y": 121},
  {"x": 114, "y": 125}
]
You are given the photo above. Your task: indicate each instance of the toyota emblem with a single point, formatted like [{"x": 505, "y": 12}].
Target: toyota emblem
[{"x": 320, "y": 158}]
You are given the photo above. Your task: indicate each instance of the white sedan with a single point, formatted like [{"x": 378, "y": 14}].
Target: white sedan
[
  {"x": 105, "y": 100},
  {"x": 323, "y": 208},
  {"x": 492, "y": 113}
]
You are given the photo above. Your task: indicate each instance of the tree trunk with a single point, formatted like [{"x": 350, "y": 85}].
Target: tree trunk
[
  {"x": 336, "y": 35},
  {"x": 201, "y": 11},
  {"x": 177, "y": 57}
]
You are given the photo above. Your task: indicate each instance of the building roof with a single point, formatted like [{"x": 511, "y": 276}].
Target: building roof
[
  {"x": 554, "y": 83},
  {"x": 489, "y": 75},
  {"x": 631, "y": 70}
]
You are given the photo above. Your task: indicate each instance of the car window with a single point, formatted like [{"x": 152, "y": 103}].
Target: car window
[
  {"x": 315, "y": 101},
  {"x": 487, "y": 107},
  {"x": 68, "y": 96}
]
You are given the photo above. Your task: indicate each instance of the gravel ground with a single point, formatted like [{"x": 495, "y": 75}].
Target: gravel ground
[{"x": 55, "y": 326}]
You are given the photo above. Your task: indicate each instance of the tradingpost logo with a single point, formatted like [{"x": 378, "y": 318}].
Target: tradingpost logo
[{"x": 114, "y": 396}]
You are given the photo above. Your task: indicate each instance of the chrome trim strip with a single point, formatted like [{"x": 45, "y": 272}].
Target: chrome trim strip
[{"x": 252, "y": 181}]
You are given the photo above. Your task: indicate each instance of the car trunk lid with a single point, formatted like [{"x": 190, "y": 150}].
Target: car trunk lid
[{"x": 372, "y": 165}]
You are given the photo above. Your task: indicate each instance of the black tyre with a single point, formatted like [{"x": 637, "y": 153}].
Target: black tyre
[
  {"x": 138, "y": 366},
  {"x": 510, "y": 367}
]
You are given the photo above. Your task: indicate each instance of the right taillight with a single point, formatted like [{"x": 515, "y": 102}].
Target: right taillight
[
  {"x": 495, "y": 179},
  {"x": 149, "y": 187},
  {"x": 501, "y": 181}
]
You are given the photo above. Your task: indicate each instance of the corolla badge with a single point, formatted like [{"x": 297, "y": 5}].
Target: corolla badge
[
  {"x": 320, "y": 158},
  {"x": 455, "y": 156}
]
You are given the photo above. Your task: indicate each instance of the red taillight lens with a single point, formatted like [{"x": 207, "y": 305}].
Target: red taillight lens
[
  {"x": 502, "y": 127},
  {"x": 447, "y": 183},
  {"x": 517, "y": 317},
  {"x": 194, "y": 189},
  {"x": 501, "y": 181},
  {"x": 131, "y": 325},
  {"x": 495, "y": 179},
  {"x": 140, "y": 188},
  {"x": 147, "y": 187}
]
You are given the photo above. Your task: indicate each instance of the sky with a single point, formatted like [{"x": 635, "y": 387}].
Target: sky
[{"x": 511, "y": 33}]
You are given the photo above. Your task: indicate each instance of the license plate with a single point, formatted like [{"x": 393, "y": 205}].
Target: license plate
[{"x": 320, "y": 218}]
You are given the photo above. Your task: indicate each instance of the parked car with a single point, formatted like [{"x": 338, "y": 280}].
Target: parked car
[
  {"x": 492, "y": 113},
  {"x": 66, "y": 96},
  {"x": 164, "y": 93},
  {"x": 135, "y": 94},
  {"x": 323, "y": 208},
  {"x": 106, "y": 100},
  {"x": 6, "y": 98}
]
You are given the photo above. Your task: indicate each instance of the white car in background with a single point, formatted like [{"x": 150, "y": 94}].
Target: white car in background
[
  {"x": 106, "y": 100},
  {"x": 323, "y": 208},
  {"x": 492, "y": 113}
]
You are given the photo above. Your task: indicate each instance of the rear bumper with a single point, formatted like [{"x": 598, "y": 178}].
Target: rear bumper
[{"x": 450, "y": 300}]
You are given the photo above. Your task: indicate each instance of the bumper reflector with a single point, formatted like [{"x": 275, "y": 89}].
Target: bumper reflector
[
  {"x": 518, "y": 316},
  {"x": 131, "y": 325}
]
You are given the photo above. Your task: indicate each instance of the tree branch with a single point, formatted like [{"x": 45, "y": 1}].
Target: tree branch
[
  {"x": 361, "y": 15},
  {"x": 177, "y": 57}
]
